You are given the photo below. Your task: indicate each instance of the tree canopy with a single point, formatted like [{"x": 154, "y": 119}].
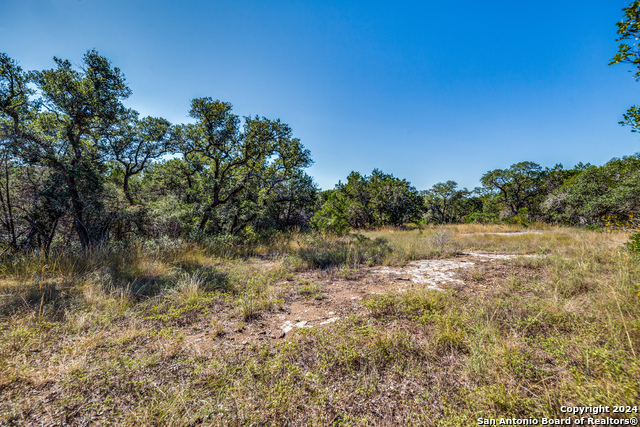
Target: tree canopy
[
  {"x": 629, "y": 53},
  {"x": 368, "y": 201},
  {"x": 445, "y": 203},
  {"x": 61, "y": 127},
  {"x": 86, "y": 162},
  {"x": 78, "y": 168},
  {"x": 516, "y": 186}
]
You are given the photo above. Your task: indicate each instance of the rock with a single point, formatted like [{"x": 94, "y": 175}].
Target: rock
[{"x": 287, "y": 326}]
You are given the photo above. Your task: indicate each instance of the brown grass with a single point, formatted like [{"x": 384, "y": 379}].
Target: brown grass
[{"x": 142, "y": 335}]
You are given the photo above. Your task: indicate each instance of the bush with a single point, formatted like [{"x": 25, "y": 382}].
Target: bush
[
  {"x": 353, "y": 250},
  {"x": 482, "y": 218},
  {"x": 521, "y": 218},
  {"x": 634, "y": 244}
]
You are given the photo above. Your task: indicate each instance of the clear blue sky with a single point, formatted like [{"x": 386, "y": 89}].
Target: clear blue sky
[{"x": 426, "y": 90}]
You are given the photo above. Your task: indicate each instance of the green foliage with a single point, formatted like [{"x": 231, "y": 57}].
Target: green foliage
[
  {"x": 516, "y": 187},
  {"x": 605, "y": 195},
  {"x": 628, "y": 30},
  {"x": 331, "y": 216},
  {"x": 521, "y": 218},
  {"x": 629, "y": 53},
  {"x": 136, "y": 143},
  {"x": 634, "y": 243},
  {"x": 62, "y": 132},
  {"x": 368, "y": 201},
  {"x": 74, "y": 158},
  {"x": 444, "y": 203},
  {"x": 481, "y": 218},
  {"x": 78, "y": 168},
  {"x": 242, "y": 167}
]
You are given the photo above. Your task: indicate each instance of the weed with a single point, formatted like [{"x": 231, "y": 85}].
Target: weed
[
  {"x": 216, "y": 327},
  {"x": 441, "y": 239},
  {"x": 311, "y": 290}
]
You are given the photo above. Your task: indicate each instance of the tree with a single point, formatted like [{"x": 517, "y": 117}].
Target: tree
[
  {"x": 248, "y": 161},
  {"x": 517, "y": 186},
  {"x": 135, "y": 143},
  {"x": 71, "y": 150},
  {"x": 355, "y": 196},
  {"x": 394, "y": 201},
  {"x": 368, "y": 201},
  {"x": 629, "y": 30},
  {"x": 69, "y": 129},
  {"x": 629, "y": 53},
  {"x": 76, "y": 109},
  {"x": 442, "y": 201},
  {"x": 598, "y": 195},
  {"x": 331, "y": 217},
  {"x": 14, "y": 103},
  {"x": 291, "y": 204}
]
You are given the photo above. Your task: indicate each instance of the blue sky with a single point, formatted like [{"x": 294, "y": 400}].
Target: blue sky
[{"x": 426, "y": 90}]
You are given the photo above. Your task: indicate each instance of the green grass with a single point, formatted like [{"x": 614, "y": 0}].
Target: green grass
[
  {"x": 310, "y": 290},
  {"x": 108, "y": 338}
]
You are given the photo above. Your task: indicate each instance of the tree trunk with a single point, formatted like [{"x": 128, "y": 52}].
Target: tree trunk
[
  {"x": 205, "y": 219},
  {"x": 78, "y": 222},
  {"x": 125, "y": 188}
]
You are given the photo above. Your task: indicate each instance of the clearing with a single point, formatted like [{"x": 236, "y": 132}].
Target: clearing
[{"x": 431, "y": 327}]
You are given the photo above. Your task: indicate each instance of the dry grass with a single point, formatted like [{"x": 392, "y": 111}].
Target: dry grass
[{"x": 136, "y": 336}]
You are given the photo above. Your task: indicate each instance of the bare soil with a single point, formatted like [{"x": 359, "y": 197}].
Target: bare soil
[{"x": 469, "y": 272}]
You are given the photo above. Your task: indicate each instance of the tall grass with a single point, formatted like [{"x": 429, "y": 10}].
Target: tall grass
[{"x": 136, "y": 335}]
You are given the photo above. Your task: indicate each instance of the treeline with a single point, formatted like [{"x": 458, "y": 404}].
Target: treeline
[
  {"x": 584, "y": 195},
  {"x": 78, "y": 168}
]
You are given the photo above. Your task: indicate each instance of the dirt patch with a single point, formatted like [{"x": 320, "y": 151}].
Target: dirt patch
[
  {"x": 503, "y": 233},
  {"x": 336, "y": 298},
  {"x": 430, "y": 273}
]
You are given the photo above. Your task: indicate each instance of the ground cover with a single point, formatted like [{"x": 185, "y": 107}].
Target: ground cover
[{"x": 433, "y": 326}]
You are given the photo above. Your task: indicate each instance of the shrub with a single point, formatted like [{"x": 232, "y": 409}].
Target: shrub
[
  {"x": 481, "y": 218},
  {"x": 634, "y": 243},
  {"x": 322, "y": 252}
]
